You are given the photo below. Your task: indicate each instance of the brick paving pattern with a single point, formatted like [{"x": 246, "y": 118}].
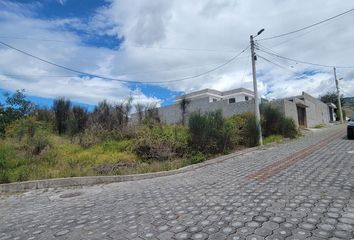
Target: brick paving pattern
[{"x": 307, "y": 198}]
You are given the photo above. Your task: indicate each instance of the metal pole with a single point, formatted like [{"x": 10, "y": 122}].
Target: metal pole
[
  {"x": 255, "y": 89},
  {"x": 338, "y": 95}
]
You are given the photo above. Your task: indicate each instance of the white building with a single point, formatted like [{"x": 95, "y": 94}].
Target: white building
[{"x": 232, "y": 96}]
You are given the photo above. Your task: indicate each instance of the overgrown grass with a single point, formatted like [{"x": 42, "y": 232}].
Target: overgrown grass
[
  {"x": 65, "y": 159},
  {"x": 320, "y": 125},
  {"x": 273, "y": 139}
]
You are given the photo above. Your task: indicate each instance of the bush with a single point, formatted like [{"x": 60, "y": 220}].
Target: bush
[
  {"x": 96, "y": 133},
  {"x": 161, "y": 142},
  {"x": 198, "y": 158},
  {"x": 4, "y": 176},
  {"x": 275, "y": 123},
  {"x": 272, "y": 119},
  {"x": 288, "y": 128},
  {"x": 22, "y": 127},
  {"x": 38, "y": 143},
  {"x": 244, "y": 130},
  {"x": 25, "y": 127},
  {"x": 209, "y": 133}
]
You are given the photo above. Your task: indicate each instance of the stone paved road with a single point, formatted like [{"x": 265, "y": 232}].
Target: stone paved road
[{"x": 311, "y": 198}]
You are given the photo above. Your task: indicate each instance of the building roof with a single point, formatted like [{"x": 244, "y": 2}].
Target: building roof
[{"x": 215, "y": 92}]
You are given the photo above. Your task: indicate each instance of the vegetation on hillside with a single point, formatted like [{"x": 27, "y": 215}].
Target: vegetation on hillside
[
  {"x": 332, "y": 97},
  {"x": 68, "y": 141}
]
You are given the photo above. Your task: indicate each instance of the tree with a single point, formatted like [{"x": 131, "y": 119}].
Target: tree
[
  {"x": 139, "y": 107},
  {"x": 61, "y": 108},
  {"x": 77, "y": 120},
  {"x": 332, "y": 97},
  {"x": 19, "y": 104},
  {"x": 16, "y": 107}
]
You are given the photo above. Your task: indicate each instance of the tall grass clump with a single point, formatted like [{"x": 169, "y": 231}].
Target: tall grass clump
[
  {"x": 209, "y": 132},
  {"x": 161, "y": 142},
  {"x": 244, "y": 130},
  {"x": 275, "y": 123}
]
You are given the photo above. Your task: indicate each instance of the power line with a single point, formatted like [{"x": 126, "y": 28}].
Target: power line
[
  {"x": 122, "y": 80},
  {"x": 125, "y": 45},
  {"x": 283, "y": 67},
  {"x": 120, "y": 73},
  {"x": 301, "y": 61},
  {"x": 307, "y": 27},
  {"x": 276, "y": 64}
]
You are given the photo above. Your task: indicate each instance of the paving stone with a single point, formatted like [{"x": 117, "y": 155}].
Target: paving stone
[
  {"x": 263, "y": 232},
  {"x": 182, "y": 235}
]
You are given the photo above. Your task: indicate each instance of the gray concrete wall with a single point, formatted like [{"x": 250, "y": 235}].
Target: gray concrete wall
[
  {"x": 287, "y": 108},
  {"x": 317, "y": 111},
  {"x": 291, "y": 111},
  {"x": 173, "y": 114}
]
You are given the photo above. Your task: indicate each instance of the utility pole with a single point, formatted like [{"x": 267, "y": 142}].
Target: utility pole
[
  {"x": 255, "y": 89},
  {"x": 338, "y": 95}
]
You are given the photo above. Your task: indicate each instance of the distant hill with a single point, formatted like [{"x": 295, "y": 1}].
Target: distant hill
[
  {"x": 349, "y": 101},
  {"x": 348, "y": 106}
]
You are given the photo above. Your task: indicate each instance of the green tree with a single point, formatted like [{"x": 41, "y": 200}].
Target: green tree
[
  {"x": 16, "y": 106},
  {"x": 61, "y": 108},
  {"x": 77, "y": 120},
  {"x": 332, "y": 97}
]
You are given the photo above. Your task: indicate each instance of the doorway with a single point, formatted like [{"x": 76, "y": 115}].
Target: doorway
[{"x": 301, "y": 114}]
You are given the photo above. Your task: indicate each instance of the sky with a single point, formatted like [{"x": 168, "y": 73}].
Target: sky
[{"x": 160, "y": 41}]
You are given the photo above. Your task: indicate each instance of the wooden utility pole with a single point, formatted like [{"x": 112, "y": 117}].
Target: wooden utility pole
[{"x": 338, "y": 95}]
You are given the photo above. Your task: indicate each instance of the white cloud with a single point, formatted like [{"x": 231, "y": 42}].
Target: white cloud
[{"x": 222, "y": 25}]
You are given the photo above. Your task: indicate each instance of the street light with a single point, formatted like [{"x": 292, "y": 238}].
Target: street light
[{"x": 255, "y": 88}]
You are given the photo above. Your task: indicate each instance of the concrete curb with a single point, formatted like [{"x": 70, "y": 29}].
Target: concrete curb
[{"x": 92, "y": 180}]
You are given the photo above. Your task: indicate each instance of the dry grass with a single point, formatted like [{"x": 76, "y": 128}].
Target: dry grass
[{"x": 65, "y": 159}]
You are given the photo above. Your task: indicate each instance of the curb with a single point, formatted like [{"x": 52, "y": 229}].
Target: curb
[{"x": 93, "y": 180}]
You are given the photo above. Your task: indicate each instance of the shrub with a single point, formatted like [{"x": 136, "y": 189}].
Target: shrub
[
  {"x": 244, "y": 130},
  {"x": 96, "y": 133},
  {"x": 251, "y": 132},
  {"x": 22, "y": 173},
  {"x": 38, "y": 143},
  {"x": 271, "y": 120},
  {"x": 275, "y": 123},
  {"x": 44, "y": 115},
  {"x": 4, "y": 176},
  {"x": 161, "y": 142},
  {"x": 77, "y": 120},
  {"x": 25, "y": 127},
  {"x": 209, "y": 133},
  {"x": 198, "y": 158},
  {"x": 288, "y": 128}
]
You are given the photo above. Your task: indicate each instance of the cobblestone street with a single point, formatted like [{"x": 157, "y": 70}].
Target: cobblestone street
[{"x": 302, "y": 189}]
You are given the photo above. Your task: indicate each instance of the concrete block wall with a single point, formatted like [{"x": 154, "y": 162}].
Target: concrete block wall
[
  {"x": 287, "y": 108},
  {"x": 173, "y": 114},
  {"x": 317, "y": 111}
]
